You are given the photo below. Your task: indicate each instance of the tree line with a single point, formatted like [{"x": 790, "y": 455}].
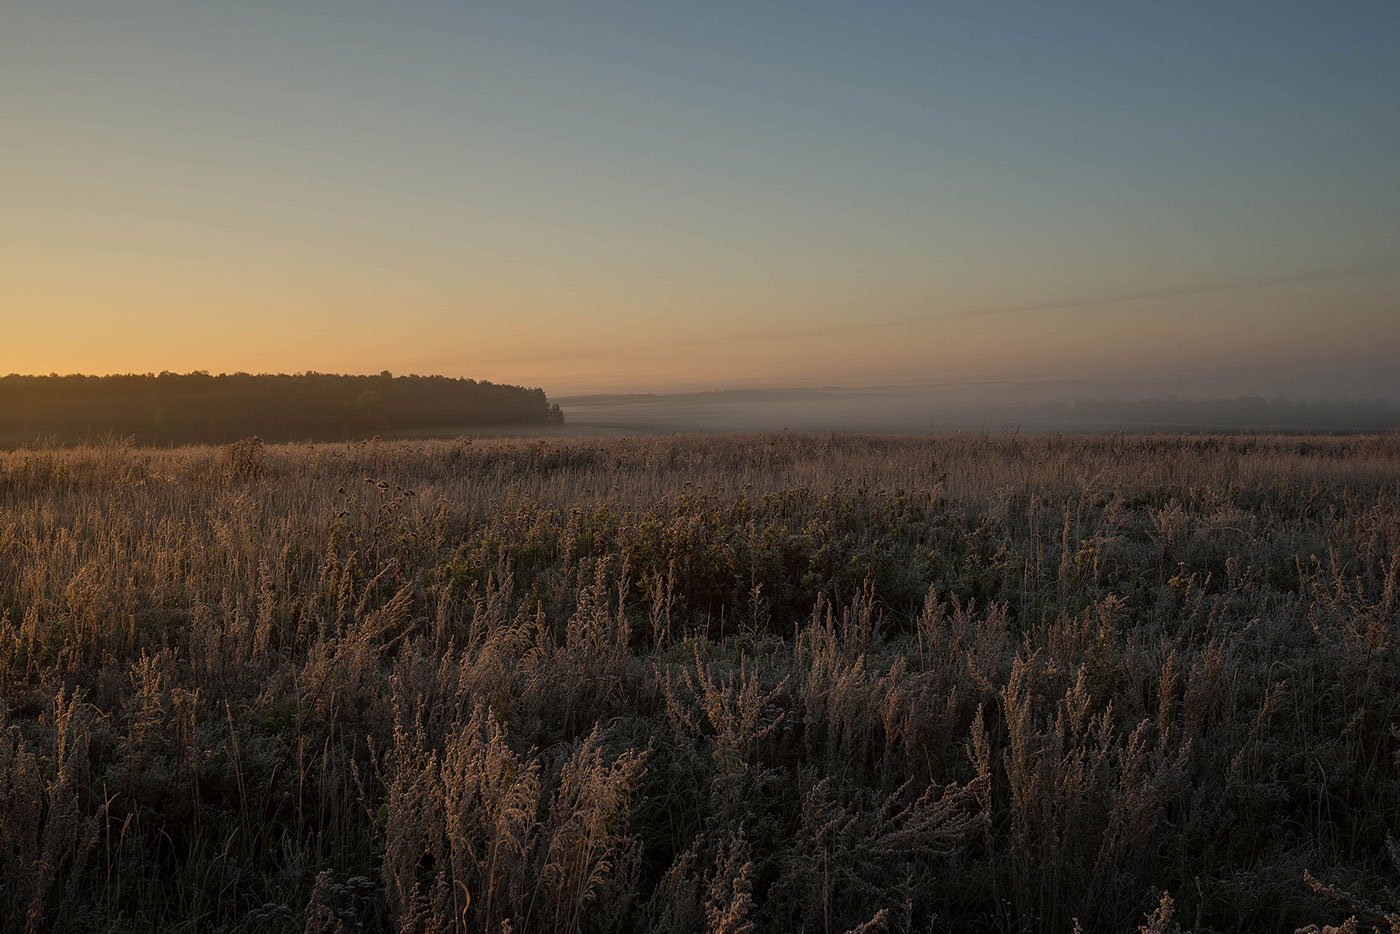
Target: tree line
[{"x": 199, "y": 407}]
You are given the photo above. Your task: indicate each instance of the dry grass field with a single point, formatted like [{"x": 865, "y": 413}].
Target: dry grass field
[{"x": 722, "y": 684}]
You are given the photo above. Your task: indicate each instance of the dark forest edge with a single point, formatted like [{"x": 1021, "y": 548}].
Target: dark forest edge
[{"x": 198, "y": 407}]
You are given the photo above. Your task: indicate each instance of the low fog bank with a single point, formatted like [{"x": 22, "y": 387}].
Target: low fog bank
[{"x": 914, "y": 410}]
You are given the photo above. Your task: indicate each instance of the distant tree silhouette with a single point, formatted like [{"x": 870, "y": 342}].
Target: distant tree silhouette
[
  {"x": 198, "y": 407},
  {"x": 364, "y": 415}
]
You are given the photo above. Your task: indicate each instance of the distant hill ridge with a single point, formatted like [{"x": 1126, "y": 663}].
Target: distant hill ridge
[{"x": 202, "y": 408}]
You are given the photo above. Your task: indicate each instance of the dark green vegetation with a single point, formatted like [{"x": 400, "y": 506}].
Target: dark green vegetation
[
  {"x": 753, "y": 683},
  {"x": 199, "y": 408}
]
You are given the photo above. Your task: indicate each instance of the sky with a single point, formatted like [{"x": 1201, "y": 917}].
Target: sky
[{"x": 1199, "y": 198}]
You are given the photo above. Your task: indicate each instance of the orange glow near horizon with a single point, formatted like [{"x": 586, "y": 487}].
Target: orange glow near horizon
[{"x": 133, "y": 317}]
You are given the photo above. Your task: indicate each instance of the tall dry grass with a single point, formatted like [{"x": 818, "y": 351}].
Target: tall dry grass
[{"x": 822, "y": 683}]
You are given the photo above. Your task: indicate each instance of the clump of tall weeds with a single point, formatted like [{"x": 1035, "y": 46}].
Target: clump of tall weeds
[
  {"x": 47, "y": 830},
  {"x": 478, "y": 836}
]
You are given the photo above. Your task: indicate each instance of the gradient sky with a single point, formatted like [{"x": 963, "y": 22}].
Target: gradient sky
[{"x": 653, "y": 196}]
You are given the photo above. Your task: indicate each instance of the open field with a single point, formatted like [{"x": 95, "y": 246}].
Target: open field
[{"x": 726, "y": 684}]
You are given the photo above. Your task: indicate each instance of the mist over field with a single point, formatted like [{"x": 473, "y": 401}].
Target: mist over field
[
  {"x": 923, "y": 410},
  {"x": 199, "y": 408}
]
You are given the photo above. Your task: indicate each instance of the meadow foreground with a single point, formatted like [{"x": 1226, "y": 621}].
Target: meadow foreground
[{"x": 723, "y": 684}]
